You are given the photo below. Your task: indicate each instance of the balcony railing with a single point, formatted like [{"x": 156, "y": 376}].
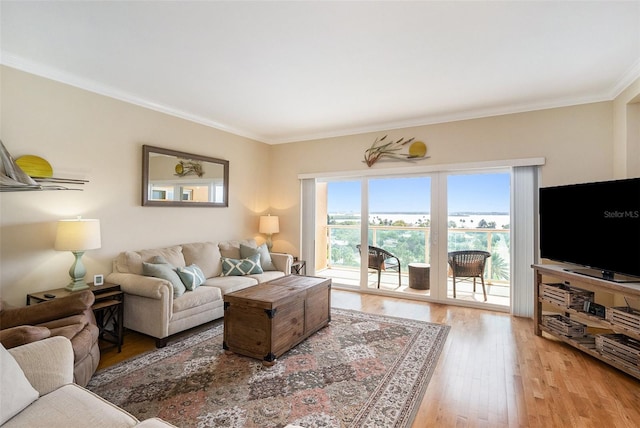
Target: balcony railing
[{"x": 411, "y": 244}]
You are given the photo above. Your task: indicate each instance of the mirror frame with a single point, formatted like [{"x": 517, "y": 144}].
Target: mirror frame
[{"x": 146, "y": 153}]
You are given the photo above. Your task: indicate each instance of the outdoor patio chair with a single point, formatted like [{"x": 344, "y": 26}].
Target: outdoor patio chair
[
  {"x": 380, "y": 260},
  {"x": 467, "y": 265}
]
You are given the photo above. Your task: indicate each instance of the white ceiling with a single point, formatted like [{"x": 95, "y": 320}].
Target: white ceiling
[{"x": 290, "y": 71}]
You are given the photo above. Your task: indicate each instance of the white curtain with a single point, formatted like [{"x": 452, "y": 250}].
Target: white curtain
[
  {"x": 524, "y": 209},
  {"x": 308, "y": 222}
]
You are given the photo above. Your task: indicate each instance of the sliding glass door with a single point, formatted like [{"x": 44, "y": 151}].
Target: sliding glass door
[
  {"x": 398, "y": 229},
  {"x": 478, "y": 247},
  {"x": 371, "y": 230},
  {"x": 395, "y": 234},
  {"x": 339, "y": 228}
]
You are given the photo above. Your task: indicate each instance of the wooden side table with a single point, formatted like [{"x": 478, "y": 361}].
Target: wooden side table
[
  {"x": 108, "y": 309},
  {"x": 299, "y": 267}
]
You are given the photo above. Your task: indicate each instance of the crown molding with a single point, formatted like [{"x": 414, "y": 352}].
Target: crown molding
[
  {"x": 51, "y": 73},
  {"x": 41, "y": 70},
  {"x": 627, "y": 79},
  {"x": 446, "y": 118}
]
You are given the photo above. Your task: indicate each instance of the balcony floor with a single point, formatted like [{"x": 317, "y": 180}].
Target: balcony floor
[{"x": 497, "y": 294}]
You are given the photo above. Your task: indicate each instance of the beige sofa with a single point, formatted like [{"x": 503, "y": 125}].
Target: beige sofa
[
  {"x": 37, "y": 390},
  {"x": 154, "y": 307}
]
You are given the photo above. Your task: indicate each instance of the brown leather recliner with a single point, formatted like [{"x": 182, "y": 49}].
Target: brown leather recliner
[{"x": 69, "y": 316}]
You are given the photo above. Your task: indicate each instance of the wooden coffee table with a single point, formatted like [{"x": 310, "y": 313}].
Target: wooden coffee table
[{"x": 267, "y": 320}]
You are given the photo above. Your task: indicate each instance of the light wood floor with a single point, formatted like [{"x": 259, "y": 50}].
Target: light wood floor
[{"x": 493, "y": 372}]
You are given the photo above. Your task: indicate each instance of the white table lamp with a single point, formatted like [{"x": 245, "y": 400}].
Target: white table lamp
[
  {"x": 269, "y": 224},
  {"x": 77, "y": 236}
]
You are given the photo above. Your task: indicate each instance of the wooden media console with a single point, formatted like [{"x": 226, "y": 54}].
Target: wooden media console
[{"x": 611, "y": 333}]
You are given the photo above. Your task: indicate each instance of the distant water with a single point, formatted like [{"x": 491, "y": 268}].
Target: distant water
[{"x": 470, "y": 220}]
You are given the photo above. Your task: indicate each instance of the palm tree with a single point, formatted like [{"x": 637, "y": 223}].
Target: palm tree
[{"x": 499, "y": 268}]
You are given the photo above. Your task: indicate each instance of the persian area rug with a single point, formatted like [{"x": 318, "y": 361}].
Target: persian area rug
[{"x": 362, "y": 370}]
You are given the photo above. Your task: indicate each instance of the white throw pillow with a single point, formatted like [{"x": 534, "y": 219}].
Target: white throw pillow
[{"x": 16, "y": 392}]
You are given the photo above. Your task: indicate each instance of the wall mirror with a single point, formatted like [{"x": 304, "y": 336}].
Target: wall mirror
[{"x": 176, "y": 179}]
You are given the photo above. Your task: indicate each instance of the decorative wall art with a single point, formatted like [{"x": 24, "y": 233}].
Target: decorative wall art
[
  {"x": 393, "y": 150},
  {"x": 189, "y": 167}
]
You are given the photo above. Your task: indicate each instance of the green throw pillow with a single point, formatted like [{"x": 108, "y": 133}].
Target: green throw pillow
[
  {"x": 235, "y": 267},
  {"x": 265, "y": 258},
  {"x": 165, "y": 271},
  {"x": 192, "y": 276}
]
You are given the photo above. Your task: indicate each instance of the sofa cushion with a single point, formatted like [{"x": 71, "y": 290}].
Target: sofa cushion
[
  {"x": 167, "y": 272},
  {"x": 267, "y": 276},
  {"x": 83, "y": 344},
  {"x": 16, "y": 392},
  {"x": 69, "y": 331},
  {"x": 81, "y": 319},
  {"x": 204, "y": 254},
  {"x": 231, "y": 249},
  {"x": 191, "y": 276},
  {"x": 263, "y": 250},
  {"x": 229, "y": 284},
  {"x": 47, "y": 363},
  {"x": 199, "y": 297},
  {"x": 56, "y": 309},
  {"x": 131, "y": 261},
  {"x": 19, "y": 335},
  {"x": 69, "y": 405},
  {"x": 239, "y": 267}
]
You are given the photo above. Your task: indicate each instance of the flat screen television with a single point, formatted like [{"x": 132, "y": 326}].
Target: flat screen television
[{"x": 593, "y": 225}]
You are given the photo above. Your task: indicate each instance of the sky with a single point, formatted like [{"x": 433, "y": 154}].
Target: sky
[{"x": 467, "y": 193}]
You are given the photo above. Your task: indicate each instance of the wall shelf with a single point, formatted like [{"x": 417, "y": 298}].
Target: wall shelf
[{"x": 45, "y": 184}]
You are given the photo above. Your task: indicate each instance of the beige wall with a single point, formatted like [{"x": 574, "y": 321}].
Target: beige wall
[
  {"x": 575, "y": 141},
  {"x": 100, "y": 139},
  {"x": 626, "y": 144}
]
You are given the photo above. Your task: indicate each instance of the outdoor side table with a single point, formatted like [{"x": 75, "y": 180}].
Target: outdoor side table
[{"x": 419, "y": 276}]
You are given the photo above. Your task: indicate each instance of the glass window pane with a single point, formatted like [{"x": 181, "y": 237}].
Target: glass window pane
[
  {"x": 478, "y": 219},
  {"x": 399, "y": 223}
]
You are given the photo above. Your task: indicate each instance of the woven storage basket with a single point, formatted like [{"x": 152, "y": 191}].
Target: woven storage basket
[
  {"x": 564, "y": 325},
  {"x": 623, "y": 316},
  {"x": 621, "y": 348},
  {"x": 565, "y": 295}
]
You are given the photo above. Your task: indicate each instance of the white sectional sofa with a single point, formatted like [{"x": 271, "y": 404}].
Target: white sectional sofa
[
  {"x": 38, "y": 390},
  {"x": 154, "y": 305}
]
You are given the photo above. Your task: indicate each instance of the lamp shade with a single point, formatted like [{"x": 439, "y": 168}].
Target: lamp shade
[
  {"x": 269, "y": 224},
  {"x": 78, "y": 235}
]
